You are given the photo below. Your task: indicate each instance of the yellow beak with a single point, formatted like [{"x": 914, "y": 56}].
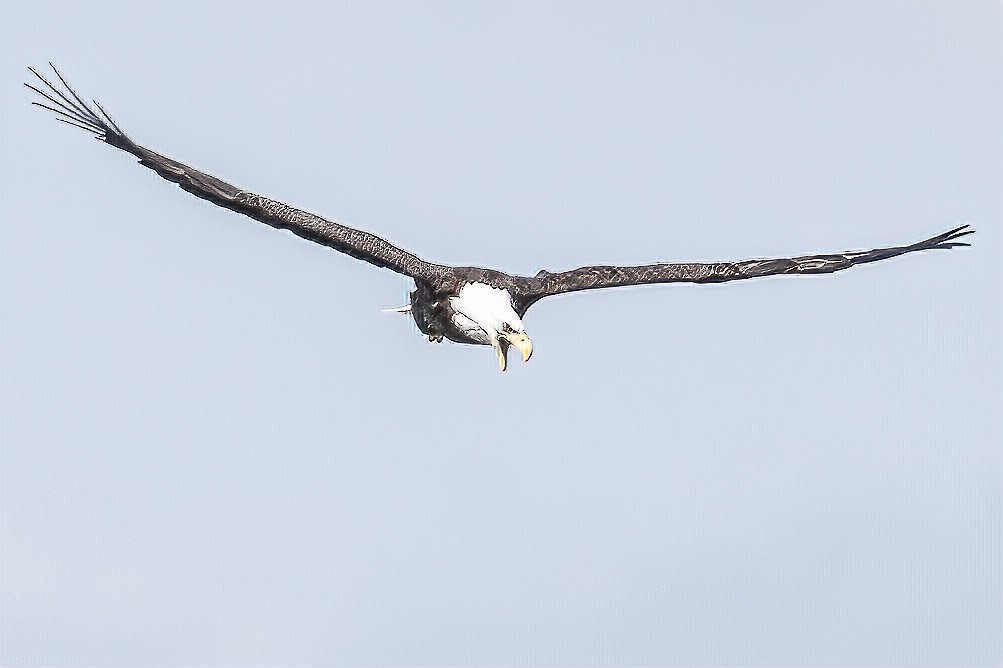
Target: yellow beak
[{"x": 522, "y": 342}]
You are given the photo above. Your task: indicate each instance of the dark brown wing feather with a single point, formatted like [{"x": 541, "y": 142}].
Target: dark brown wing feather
[
  {"x": 545, "y": 284},
  {"x": 71, "y": 109}
]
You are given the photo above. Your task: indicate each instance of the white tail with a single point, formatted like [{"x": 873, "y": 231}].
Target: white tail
[{"x": 399, "y": 309}]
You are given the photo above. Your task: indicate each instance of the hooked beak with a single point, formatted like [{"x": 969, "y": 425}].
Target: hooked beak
[{"x": 520, "y": 341}]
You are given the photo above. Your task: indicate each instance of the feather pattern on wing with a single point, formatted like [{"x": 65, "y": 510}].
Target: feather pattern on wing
[
  {"x": 545, "y": 283},
  {"x": 436, "y": 282},
  {"x": 71, "y": 109}
]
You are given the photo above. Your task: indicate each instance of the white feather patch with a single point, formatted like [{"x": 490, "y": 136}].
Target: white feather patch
[{"x": 482, "y": 311}]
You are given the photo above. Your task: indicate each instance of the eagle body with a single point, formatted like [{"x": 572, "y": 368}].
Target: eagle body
[
  {"x": 472, "y": 312},
  {"x": 463, "y": 304},
  {"x": 466, "y": 316}
]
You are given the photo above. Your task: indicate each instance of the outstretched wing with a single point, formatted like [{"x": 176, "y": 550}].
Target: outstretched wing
[
  {"x": 545, "y": 284},
  {"x": 70, "y": 108}
]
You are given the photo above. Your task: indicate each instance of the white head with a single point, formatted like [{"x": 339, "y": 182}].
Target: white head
[{"x": 486, "y": 315}]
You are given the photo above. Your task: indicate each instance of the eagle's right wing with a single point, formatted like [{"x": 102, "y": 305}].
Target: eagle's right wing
[{"x": 357, "y": 243}]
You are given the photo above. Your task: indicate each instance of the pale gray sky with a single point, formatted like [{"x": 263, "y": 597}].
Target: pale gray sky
[{"x": 216, "y": 449}]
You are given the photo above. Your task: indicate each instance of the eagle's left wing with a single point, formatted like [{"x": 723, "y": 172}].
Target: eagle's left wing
[{"x": 545, "y": 283}]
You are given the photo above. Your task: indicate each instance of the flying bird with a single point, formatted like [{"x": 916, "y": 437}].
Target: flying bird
[{"x": 463, "y": 304}]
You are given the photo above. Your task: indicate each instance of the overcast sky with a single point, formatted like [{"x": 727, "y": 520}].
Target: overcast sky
[{"x": 216, "y": 449}]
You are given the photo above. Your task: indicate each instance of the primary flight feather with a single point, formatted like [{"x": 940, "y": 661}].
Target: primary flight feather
[{"x": 463, "y": 304}]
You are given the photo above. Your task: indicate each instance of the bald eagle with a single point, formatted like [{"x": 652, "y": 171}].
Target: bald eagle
[{"x": 463, "y": 304}]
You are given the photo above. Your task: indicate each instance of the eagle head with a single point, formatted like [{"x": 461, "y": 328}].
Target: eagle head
[{"x": 511, "y": 336}]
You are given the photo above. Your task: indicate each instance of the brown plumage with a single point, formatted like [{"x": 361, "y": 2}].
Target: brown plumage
[{"x": 436, "y": 284}]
